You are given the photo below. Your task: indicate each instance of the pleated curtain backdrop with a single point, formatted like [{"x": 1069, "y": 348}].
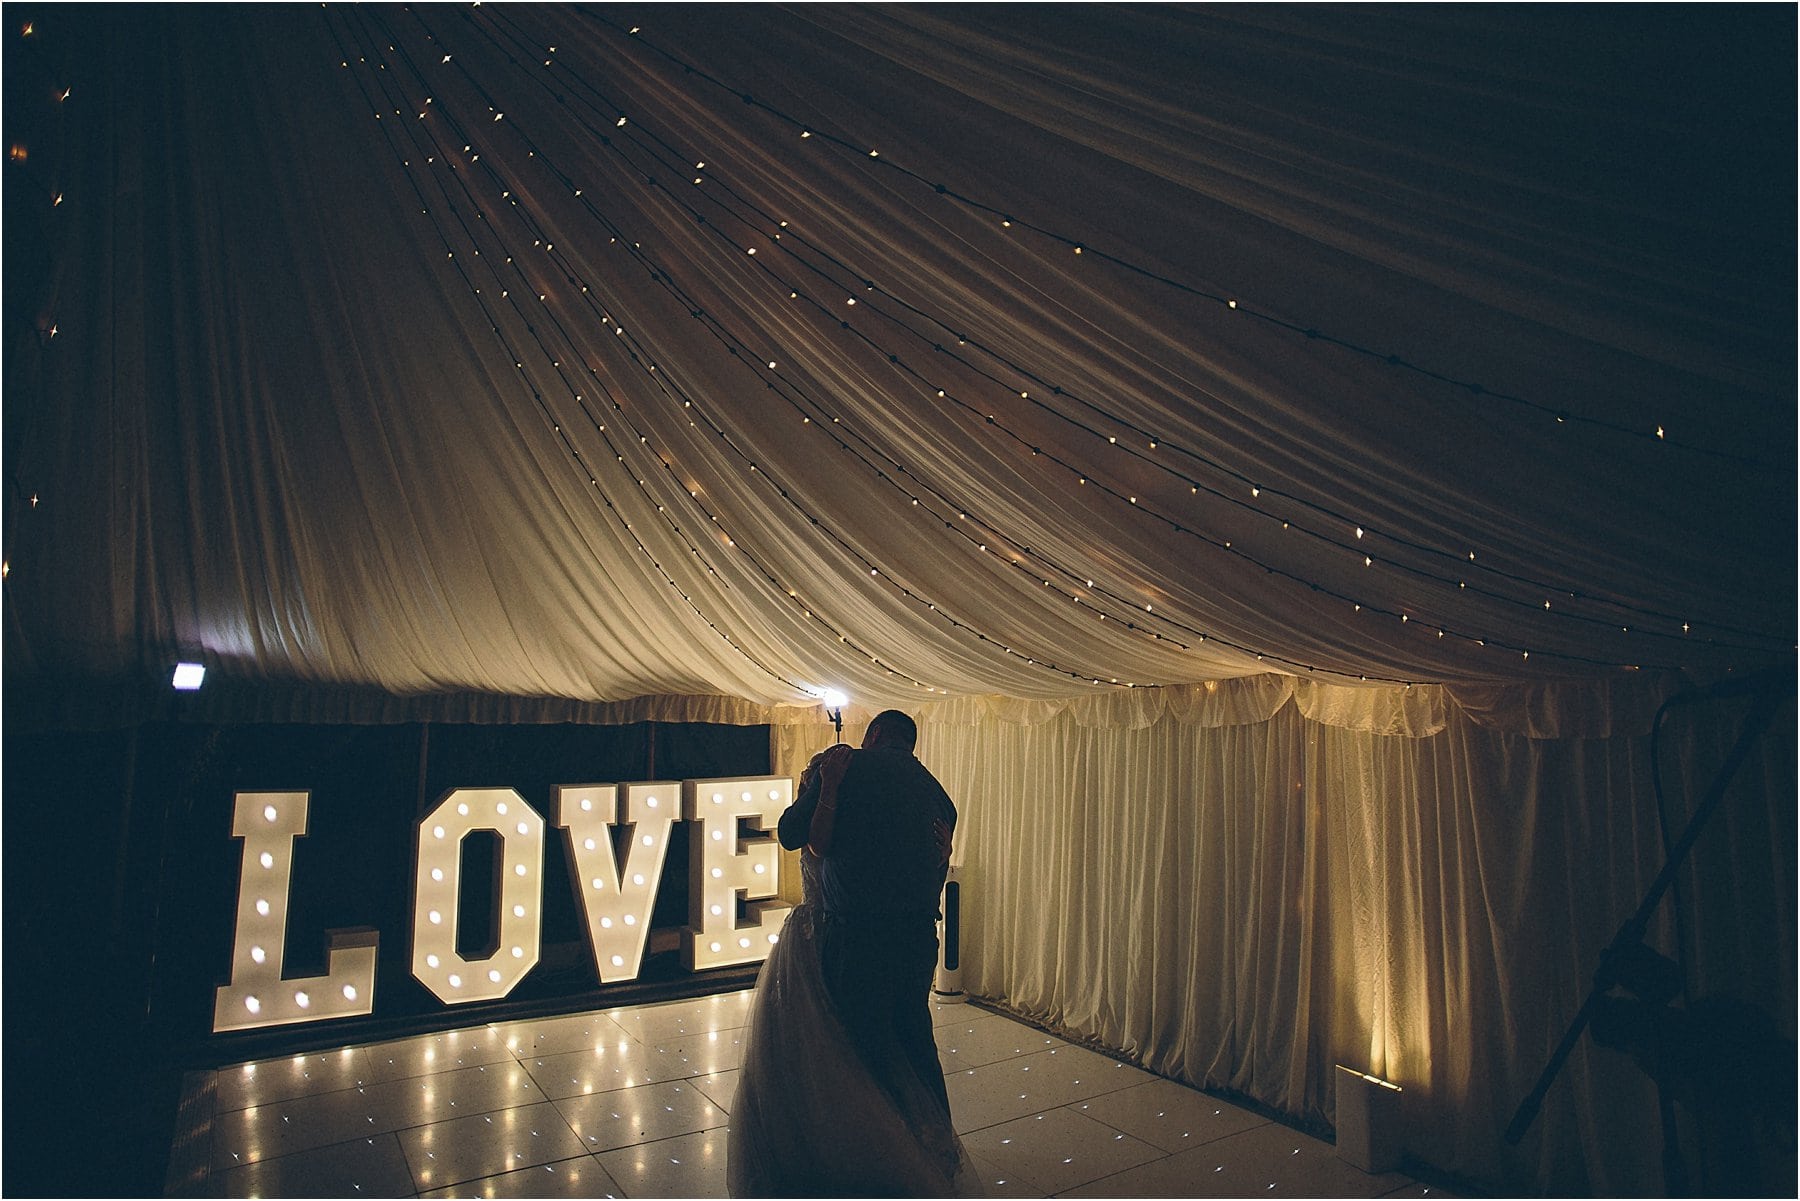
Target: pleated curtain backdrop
[{"x": 1246, "y": 904}]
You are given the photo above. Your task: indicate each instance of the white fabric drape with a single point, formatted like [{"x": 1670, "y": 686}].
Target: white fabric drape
[
  {"x": 1245, "y": 904},
  {"x": 333, "y": 401},
  {"x": 1283, "y": 454}
]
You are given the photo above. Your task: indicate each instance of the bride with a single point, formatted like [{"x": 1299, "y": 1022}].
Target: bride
[{"x": 808, "y": 1119}]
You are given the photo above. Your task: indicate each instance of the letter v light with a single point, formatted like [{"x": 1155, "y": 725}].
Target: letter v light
[{"x": 617, "y": 894}]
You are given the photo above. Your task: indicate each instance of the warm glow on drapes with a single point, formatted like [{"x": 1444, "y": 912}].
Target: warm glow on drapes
[
  {"x": 1283, "y": 454},
  {"x": 1243, "y": 900},
  {"x": 536, "y": 352}
]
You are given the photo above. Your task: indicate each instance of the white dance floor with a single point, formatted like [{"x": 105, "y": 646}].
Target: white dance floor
[{"x": 634, "y": 1103}]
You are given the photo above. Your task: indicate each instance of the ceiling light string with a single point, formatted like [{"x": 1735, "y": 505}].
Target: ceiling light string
[
  {"x": 550, "y": 354},
  {"x": 1538, "y": 587},
  {"x": 1260, "y": 655},
  {"x": 987, "y": 417},
  {"x": 664, "y": 382},
  {"x": 1367, "y": 560},
  {"x": 668, "y": 382},
  {"x": 1359, "y": 607},
  {"x": 1077, "y": 676},
  {"x": 1081, "y": 675},
  {"x": 41, "y": 156},
  {"x": 669, "y": 468},
  {"x": 830, "y": 426},
  {"x": 1130, "y": 622},
  {"x": 735, "y": 346},
  {"x": 1633, "y": 612},
  {"x": 1229, "y": 547},
  {"x": 1655, "y": 432},
  {"x": 556, "y": 426}
]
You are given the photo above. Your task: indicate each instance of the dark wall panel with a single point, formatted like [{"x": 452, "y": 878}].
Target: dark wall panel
[{"x": 120, "y": 885}]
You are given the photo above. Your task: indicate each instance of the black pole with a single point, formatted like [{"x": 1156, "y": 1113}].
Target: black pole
[{"x": 1632, "y": 932}]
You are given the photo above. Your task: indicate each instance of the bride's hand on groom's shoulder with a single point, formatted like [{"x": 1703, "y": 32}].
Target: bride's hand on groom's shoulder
[{"x": 833, "y": 763}]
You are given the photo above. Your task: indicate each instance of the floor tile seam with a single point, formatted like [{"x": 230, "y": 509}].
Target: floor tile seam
[
  {"x": 1136, "y": 1167},
  {"x": 302, "y": 1150},
  {"x": 1120, "y": 1086},
  {"x": 310, "y": 1094},
  {"x": 524, "y": 1053},
  {"x": 1047, "y": 1189},
  {"x": 1136, "y": 1138},
  {"x": 298, "y": 1151},
  {"x": 651, "y": 1142},
  {"x": 647, "y": 1141},
  {"x": 489, "y": 1174},
  {"x": 587, "y": 1150},
  {"x": 1041, "y": 1186},
  {"x": 397, "y": 1131},
  {"x": 500, "y": 1028},
  {"x": 1159, "y": 1152},
  {"x": 964, "y": 1065},
  {"x": 1071, "y": 1107}
]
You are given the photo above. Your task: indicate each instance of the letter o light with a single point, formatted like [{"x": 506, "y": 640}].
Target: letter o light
[{"x": 437, "y": 889}]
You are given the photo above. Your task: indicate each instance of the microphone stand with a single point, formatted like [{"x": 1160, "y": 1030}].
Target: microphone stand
[{"x": 1632, "y": 932}]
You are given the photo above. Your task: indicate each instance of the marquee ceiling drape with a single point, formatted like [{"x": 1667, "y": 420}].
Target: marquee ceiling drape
[{"x": 923, "y": 352}]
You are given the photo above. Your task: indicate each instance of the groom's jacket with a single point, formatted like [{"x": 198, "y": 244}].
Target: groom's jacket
[{"x": 883, "y": 866}]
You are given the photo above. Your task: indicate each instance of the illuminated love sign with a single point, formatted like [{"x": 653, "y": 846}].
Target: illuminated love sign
[{"x": 615, "y": 893}]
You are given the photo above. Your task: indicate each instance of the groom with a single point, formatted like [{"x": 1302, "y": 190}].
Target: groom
[{"x": 882, "y": 825}]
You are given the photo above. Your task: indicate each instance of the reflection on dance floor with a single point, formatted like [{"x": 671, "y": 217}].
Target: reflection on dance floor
[{"x": 635, "y": 1103}]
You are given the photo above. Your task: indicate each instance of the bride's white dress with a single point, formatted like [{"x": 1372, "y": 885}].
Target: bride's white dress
[{"x": 807, "y": 1119}]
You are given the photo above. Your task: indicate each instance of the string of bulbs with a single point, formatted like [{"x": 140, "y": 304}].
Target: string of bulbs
[
  {"x": 1467, "y": 564},
  {"x": 641, "y": 438},
  {"x": 1642, "y": 617},
  {"x": 1315, "y": 587},
  {"x": 1559, "y": 414}
]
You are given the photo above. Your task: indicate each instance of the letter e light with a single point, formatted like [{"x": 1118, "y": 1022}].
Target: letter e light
[{"x": 718, "y": 869}]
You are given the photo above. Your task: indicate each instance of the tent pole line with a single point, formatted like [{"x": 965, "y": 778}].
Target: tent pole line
[{"x": 1769, "y": 699}]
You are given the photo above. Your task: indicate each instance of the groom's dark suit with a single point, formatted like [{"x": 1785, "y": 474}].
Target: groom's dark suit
[{"x": 880, "y": 882}]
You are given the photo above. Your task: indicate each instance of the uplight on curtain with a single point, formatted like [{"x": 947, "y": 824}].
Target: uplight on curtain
[{"x": 1244, "y": 903}]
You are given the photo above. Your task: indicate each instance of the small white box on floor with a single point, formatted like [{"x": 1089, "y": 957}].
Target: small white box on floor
[{"x": 1368, "y": 1116}]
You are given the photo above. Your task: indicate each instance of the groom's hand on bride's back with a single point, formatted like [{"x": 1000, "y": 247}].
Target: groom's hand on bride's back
[{"x": 941, "y": 834}]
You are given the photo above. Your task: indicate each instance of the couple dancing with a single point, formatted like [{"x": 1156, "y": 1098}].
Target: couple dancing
[{"x": 841, "y": 1093}]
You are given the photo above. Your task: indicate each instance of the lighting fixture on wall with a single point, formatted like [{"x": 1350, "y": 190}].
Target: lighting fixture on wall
[
  {"x": 834, "y": 704},
  {"x": 187, "y": 677}
]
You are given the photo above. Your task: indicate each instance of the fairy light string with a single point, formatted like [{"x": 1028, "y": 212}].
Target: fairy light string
[
  {"x": 1656, "y": 432},
  {"x": 550, "y": 418},
  {"x": 668, "y": 281},
  {"x": 669, "y": 469},
  {"x": 39, "y": 159},
  {"x": 1369, "y": 561},
  {"x": 736, "y": 349},
  {"x": 1466, "y": 562},
  {"x": 1360, "y": 550},
  {"x": 1619, "y": 610},
  {"x": 664, "y": 381}
]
